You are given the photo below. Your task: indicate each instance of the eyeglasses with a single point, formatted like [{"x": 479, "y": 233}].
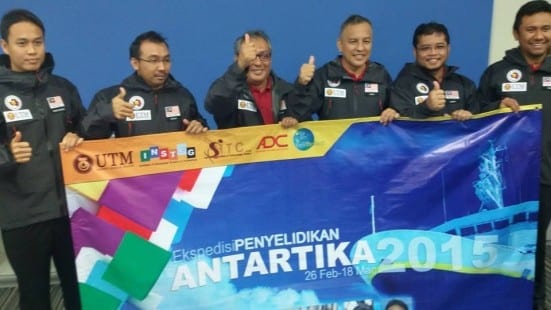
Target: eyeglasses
[
  {"x": 157, "y": 61},
  {"x": 264, "y": 56}
]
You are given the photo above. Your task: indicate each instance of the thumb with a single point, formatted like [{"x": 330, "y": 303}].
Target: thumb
[
  {"x": 17, "y": 137},
  {"x": 185, "y": 121},
  {"x": 311, "y": 60},
  {"x": 247, "y": 38},
  {"x": 436, "y": 85},
  {"x": 122, "y": 93}
]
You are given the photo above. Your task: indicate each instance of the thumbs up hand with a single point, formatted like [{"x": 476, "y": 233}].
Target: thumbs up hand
[
  {"x": 20, "y": 150},
  {"x": 247, "y": 52},
  {"x": 121, "y": 109},
  {"x": 437, "y": 99},
  {"x": 307, "y": 71}
]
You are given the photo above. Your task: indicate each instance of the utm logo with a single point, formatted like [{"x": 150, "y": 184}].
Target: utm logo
[
  {"x": 269, "y": 142},
  {"x": 82, "y": 163}
]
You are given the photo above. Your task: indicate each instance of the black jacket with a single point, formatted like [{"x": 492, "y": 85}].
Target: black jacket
[
  {"x": 165, "y": 109},
  {"x": 226, "y": 92},
  {"x": 512, "y": 77},
  {"x": 43, "y": 107},
  {"x": 413, "y": 84},
  {"x": 333, "y": 94}
]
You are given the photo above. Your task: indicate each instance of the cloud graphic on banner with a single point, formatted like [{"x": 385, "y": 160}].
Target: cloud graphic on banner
[{"x": 224, "y": 295}]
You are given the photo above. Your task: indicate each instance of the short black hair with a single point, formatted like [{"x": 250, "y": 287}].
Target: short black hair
[
  {"x": 150, "y": 36},
  {"x": 396, "y": 302},
  {"x": 253, "y": 34},
  {"x": 531, "y": 8},
  {"x": 354, "y": 20},
  {"x": 428, "y": 29},
  {"x": 16, "y": 16}
]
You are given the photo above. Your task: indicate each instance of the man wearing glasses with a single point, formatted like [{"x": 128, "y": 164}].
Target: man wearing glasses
[
  {"x": 429, "y": 87},
  {"x": 149, "y": 101},
  {"x": 349, "y": 86},
  {"x": 249, "y": 93}
]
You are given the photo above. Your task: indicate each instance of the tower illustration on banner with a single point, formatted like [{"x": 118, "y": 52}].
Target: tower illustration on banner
[{"x": 489, "y": 186}]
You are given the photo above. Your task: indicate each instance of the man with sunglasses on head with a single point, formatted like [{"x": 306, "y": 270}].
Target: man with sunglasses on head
[
  {"x": 249, "y": 93},
  {"x": 148, "y": 101},
  {"x": 429, "y": 87}
]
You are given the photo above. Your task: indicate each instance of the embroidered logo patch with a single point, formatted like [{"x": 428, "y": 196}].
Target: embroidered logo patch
[
  {"x": 13, "y": 102},
  {"x": 137, "y": 102},
  {"x": 514, "y": 75},
  {"x": 422, "y": 88}
]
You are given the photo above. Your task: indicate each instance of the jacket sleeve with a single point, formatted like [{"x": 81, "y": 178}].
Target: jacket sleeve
[
  {"x": 306, "y": 100},
  {"x": 472, "y": 101},
  {"x": 7, "y": 161},
  {"x": 487, "y": 95},
  {"x": 99, "y": 121},
  {"x": 401, "y": 99},
  {"x": 388, "y": 83},
  {"x": 221, "y": 96},
  {"x": 77, "y": 114},
  {"x": 191, "y": 111}
]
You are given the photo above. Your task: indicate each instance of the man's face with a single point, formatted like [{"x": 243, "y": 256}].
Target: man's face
[
  {"x": 534, "y": 35},
  {"x": 355, "y": 44},
  {"x": 432, "y": 51},
  {"x": 154, "y": 63},
  {"x": 260, "y": 68},
  {"x": 25, "y": 46}
]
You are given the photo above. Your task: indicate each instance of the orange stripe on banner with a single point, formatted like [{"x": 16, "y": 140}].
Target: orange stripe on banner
[
  {"x": 123, "y": 222},
  {"x": 188, "y": 179},
  {"x": 108, "y": 159}
]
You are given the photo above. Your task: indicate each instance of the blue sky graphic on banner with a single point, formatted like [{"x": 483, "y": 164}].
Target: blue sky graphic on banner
[{"x": 417, "y": 211}]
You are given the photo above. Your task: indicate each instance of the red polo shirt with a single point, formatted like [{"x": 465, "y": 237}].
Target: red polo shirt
[
  {"x": 263, "y": 99},
  {"x": 355, "y": 78}
]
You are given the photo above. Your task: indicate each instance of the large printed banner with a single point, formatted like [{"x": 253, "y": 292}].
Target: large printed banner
[{"x": 344, "y": 214}]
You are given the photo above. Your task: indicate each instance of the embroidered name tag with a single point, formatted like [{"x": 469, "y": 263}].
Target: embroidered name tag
[
  {"x": 513, "y": 87},
  {"x": 246, "y": 105},
  {"x": 140, "y": 115},
  {"x": 546, "y": 81},
  {"x": 451, "y": 94},
  {"x": 55, "y": 102},
  {"x": 371, "y": 87},
  {"x": 172, "y": 111},
  {"x": 420, "y": 99},
  {"x": 335, "y": 92},
  {"x": 19, "y": 115}
]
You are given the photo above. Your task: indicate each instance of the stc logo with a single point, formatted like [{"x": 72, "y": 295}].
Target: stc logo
[
  {"x": 269, "y": 142},
  {"x": 182, "y": 150},
  {"x": 223, "y": 149}
]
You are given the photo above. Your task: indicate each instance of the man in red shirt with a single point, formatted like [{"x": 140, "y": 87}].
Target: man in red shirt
[{"x": 249, "y": 93}]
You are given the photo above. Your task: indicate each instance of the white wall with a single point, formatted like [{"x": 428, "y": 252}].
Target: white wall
[{"x": 501, "y": 38}]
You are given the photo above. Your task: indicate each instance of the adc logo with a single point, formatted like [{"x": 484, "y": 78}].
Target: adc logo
[
  {"x": 82, "y": 163},
  {"x": 269, "y": 142}
]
